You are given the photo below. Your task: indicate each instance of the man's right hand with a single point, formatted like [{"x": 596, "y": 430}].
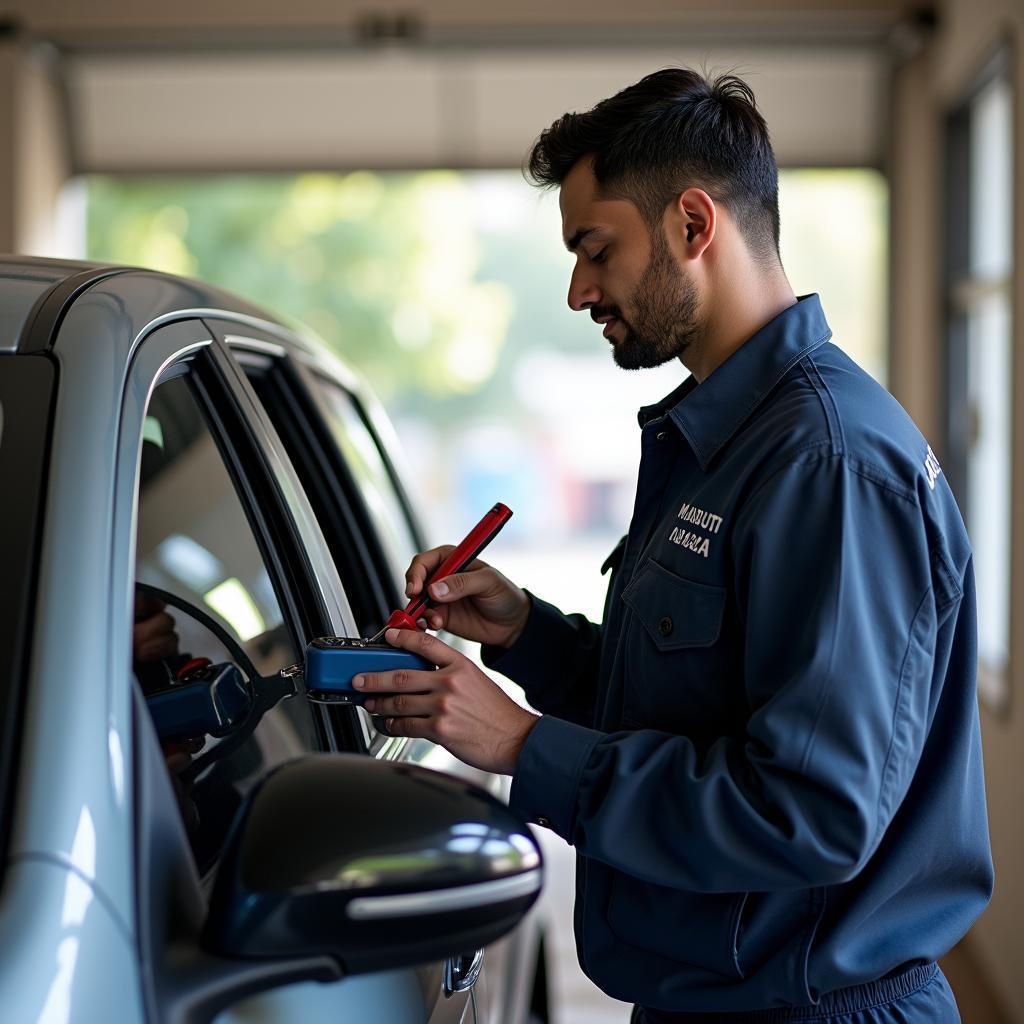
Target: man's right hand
[{"x": 478, "y": 604}]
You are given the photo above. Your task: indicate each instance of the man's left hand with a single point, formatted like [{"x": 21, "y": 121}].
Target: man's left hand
[
  {"x": 153, "y": 635},
  {"x": 457, "y": 706}
]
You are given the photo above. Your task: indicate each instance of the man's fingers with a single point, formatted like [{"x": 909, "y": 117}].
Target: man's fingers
[
  {"x": 154, "y": 650},
  {"x": 154, "y": 638},
  {"x": 403, "y": 705},
  {"x": 422, "y": 566},
  {"x": 437, "y": 652},
  {"x": 427, "y": 562},
  {"x": 417, "y": 728},
  {"x": 146, "y": 606},
  {"x": 157, "y": 625},
  {"x": 398, "y": 680},
  {"x": 463, "y": 584}
]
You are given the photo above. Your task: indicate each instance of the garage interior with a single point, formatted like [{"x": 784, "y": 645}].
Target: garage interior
[{"x": 211, "y": 88}]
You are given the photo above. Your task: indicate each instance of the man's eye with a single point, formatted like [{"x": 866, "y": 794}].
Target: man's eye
[{"x": 599, "y": 257}]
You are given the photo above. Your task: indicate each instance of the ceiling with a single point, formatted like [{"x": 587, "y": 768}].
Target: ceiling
[
  {"x": 211, "y": 85},
  {"x": 400, "y": 108}
]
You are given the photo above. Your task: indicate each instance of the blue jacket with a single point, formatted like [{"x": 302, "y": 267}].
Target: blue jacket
[{"x": 768, "y": 756}]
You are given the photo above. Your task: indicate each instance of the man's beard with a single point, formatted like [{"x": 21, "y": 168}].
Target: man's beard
[{"x": 665, "y": 318}]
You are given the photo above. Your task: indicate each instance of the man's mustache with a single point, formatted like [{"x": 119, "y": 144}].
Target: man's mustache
[{"x": 597, "y": 312}]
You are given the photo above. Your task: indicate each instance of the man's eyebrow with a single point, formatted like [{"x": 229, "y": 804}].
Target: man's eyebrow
[{"x": 572, "y": 244}]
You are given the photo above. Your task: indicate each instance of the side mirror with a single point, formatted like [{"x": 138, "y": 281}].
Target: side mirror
[{"x": 372, "y": 864}]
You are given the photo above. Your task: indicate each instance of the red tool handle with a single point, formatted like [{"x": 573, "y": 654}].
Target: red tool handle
[{"x": 475, "y": 541}]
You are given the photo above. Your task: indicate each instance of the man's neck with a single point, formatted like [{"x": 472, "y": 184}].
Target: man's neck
[{"x": 739, "y": 312}]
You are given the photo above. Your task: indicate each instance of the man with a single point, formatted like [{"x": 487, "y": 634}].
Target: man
[{"x": 768, "y": 755}]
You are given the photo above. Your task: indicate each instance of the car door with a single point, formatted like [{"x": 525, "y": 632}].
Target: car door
[
  {"x": 225, "y": 539},
  {"x": 336, "y": 437}
]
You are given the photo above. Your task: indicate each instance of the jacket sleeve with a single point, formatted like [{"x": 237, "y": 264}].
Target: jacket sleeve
[
  {"x": 832, "y": 584},
  {"x": 555, "y": 661}
]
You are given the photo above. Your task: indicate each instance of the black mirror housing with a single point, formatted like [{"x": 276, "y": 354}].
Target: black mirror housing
[{"x": 374, "y": 864}]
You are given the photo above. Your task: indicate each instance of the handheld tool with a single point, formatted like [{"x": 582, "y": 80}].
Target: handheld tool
[
  {"x": 203, "y": 699},
  {"x": 332, "y": 662},
  {"x": 474, "y": 542}
]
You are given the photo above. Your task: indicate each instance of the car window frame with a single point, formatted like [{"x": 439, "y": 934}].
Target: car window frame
[
  {"x": 298, "y": 369},
  {"x": 318, "y": 376},
  {"x": 253, "y": 459},
  {"x": 348, "y": 725},
  {"x": 339, "y": 503},
  {"x": 28, "y": 393},
  {"x": 341, "y": 511}
]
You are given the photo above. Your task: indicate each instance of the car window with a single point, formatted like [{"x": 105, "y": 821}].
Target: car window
[
  {"x": 346, "y": 479},
  {"x": 349, "y": 485},
  {"x": 196, "y": 546},
  {"x": 27, "y": 385},
  {"x": 364, "y": 458}
]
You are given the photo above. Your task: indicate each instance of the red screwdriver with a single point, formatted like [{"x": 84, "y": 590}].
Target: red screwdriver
[{"x": 475, "y": 541}]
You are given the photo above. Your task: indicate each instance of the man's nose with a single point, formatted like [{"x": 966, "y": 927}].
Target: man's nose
[{"x": 583, "y": 291}]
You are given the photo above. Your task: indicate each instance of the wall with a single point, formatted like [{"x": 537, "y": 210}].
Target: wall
[
  {"x": 926, "y": 87},
  {"x": 33, "y": 155}
]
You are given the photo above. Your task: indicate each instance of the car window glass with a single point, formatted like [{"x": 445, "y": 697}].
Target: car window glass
[
  {"x": 195, "y": 542},
  {"x": 367, "y": 465},
  {"x": 27, "y": 384}
]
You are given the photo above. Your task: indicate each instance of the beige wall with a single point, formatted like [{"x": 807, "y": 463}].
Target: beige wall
[
  {"x": 34, "y": 161},
  {"x": 926, "y": 88},
  {"x": 8, "y": 69}
]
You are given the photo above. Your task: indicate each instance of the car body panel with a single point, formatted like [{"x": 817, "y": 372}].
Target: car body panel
[
  {"x": 388, "y": 996},
  {"x": 90, "y": 973},
  {"x": 74, "y": 812},
  {"x": 27, "y": 281}
]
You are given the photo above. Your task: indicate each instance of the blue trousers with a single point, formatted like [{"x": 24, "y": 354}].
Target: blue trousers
[{"x": 919, "y": 996}]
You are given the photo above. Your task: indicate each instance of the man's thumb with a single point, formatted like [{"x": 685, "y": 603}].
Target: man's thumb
[{"x": 450, "y": 588}]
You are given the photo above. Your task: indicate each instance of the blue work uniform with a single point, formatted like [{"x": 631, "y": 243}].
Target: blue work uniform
[{"x": 768, "y": 757}]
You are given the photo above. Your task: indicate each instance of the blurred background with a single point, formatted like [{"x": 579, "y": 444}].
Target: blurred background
[{"x": 355, "y": 165}]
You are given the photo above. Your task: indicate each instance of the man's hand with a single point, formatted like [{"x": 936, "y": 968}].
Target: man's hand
[
  {"x": 478, "y": 604},
  {"x": 457, "y": 706},
  {"x": 153, "y": 635}
]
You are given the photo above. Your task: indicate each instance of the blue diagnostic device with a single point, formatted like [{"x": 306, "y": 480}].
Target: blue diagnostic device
[
  {"x": 210, "y": 700},
  {"x": 332, "y": 662}
]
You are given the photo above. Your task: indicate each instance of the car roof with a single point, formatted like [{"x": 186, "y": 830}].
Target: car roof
[{"x": 36, "y": 292}]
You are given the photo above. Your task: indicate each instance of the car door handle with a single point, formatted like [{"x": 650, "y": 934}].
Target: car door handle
[{"x": 461, "y": 972}]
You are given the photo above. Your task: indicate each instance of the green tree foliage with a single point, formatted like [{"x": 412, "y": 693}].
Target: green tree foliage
[{"x": 383, "y": 267}]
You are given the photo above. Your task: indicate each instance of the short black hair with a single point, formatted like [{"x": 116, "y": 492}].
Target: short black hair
[{"x": 672, "y": 130}]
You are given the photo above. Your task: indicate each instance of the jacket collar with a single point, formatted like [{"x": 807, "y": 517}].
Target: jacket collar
[{"x": 709, "y": 414}]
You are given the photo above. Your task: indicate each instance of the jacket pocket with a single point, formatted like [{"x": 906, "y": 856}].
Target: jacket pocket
[
  {"x": 694, "y": 928},
  {"x": 677, "y": 675},
  {"x": 675, "y": 612}
]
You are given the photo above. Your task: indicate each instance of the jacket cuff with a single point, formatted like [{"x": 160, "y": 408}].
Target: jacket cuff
[
  {"x": 547, "y": 630},
  {"x": 547, "y": 773}
]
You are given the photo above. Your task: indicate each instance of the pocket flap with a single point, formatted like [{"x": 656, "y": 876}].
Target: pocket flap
[{"x": 677, "y": 612}]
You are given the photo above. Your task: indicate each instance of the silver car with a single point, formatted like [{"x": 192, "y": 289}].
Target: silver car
[{"x": 167, "y": 449}]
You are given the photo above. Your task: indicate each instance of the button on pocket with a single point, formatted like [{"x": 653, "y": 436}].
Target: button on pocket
[{"x": 675, "y": 611}]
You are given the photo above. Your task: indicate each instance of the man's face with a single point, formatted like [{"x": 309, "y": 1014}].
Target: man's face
[{"x": 626, "y": 275}]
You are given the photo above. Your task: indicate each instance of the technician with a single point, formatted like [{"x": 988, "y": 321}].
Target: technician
[{"x": 768, "y": 755}]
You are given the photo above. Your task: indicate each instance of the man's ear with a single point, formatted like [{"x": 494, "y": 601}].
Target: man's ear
[{"x": 697, "y": 219}]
